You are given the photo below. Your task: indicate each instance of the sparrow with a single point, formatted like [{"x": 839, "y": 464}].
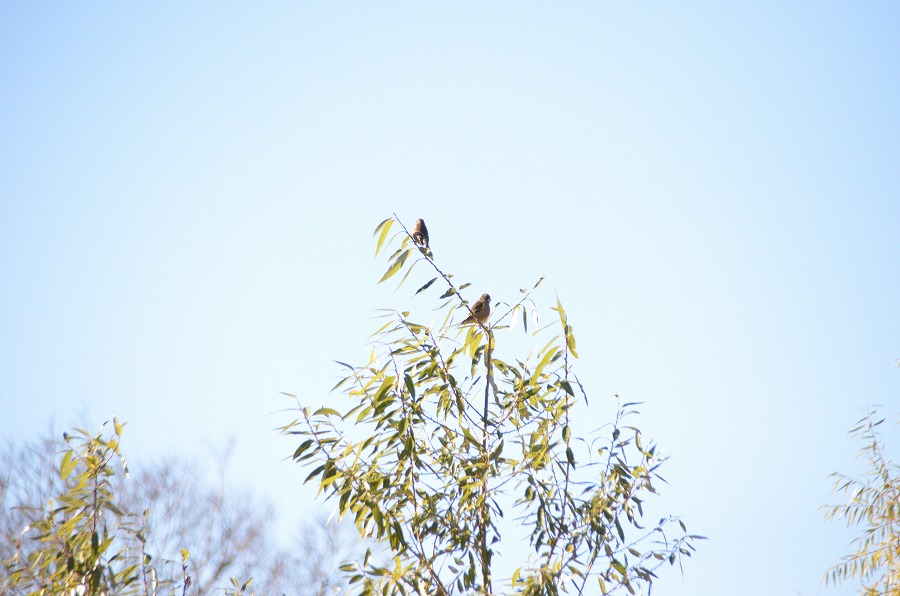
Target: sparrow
[
  {"x": 481, "y": 310},
  {"x": 420, "y": 233}
]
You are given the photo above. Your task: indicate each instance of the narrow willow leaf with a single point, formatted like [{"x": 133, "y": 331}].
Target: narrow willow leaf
[
  {"x": 473, "y": 341},
  {"x": 469, "y": 437},
  {"x": 395, "y": 266},
  {"x": 386, "y": 385},
  {"x": 570, "y": 341},
  {"x": 513, "y": 320},
  {"x": 303, "y": 447},
  {"x": 364, "y": 413},
  {"x": 426, "y": 286},
  {"x": 396, "y": 252},
  {"x": 410, "y": 386},
  {"x": 341, "y": 382},
  {"x": 562, "y": 312},
  {"x": 548, "y": 357},
  {"x": 385, "y": 227},
  {"x": 110, "y": 506},
  {"x": 377, "y": 331},
  {"x": 447, "y": 318},
  {"x": 408, "y": 271},
  {"x": 314, "y": 473},
  {"x": 66, "y": 466}
]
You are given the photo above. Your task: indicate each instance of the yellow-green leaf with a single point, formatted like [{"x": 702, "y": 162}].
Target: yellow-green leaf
[
  {"x": 385, "y": 227},
  {"x": 395, "y": 266},
  {"x": 66, "y": 466}
]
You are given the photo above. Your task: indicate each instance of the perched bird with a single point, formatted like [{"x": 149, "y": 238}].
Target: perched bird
[
  {"x": 420, "y": 233},
  {"x": 481, "y": 310}
]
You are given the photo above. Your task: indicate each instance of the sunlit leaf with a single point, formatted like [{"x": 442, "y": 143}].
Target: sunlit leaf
[
  {"x": 395, "y": 266},
  {"x": 408, "y": 271},
  {"x": 385, "y": 227},
  {"x": 67, "y": 465}
]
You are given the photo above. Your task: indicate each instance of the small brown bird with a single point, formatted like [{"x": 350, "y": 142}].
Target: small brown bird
[
  {"x": 481, "y": 310},
  {"x": 420, "y": 233}
]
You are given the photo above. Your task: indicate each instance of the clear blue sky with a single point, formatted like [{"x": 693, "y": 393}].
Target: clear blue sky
[{"x": 187, "y": 194}]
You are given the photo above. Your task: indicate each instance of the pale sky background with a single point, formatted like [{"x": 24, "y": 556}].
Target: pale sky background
[{"x": 188, "y": 192}]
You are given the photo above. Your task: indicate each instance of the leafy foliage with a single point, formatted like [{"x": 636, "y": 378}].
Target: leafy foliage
[
  {"x": 68, "y": 526},
  {"x": 443, "y": 433},
  {"x": 77, "y": 550},
  {"x": 874, "y": 502}
]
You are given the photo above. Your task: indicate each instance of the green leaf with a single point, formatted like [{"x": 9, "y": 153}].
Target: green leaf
[
  {"x": 562, "y": 312},
  {"x": 326, "y": 412},
  {"x": 469, "y": 437},
  {"x": 385, "y": 227},
  {"x": 426, "y": 286},
  {"x": 110, "y": 506},
  {"x": 314, "y": 473},
  {"x": 380, "y": 329},
  {"x": 386, "y": 385},
  {"x": 620, "y": 530},
  {"x": 303, "y": 447},
  {"x": 395, "y": 266},
  {"x": 67, "y": 465},
  {"x": 408, "y": 271},
  {"x": 548, "y": 357},
  {"x": 570, "y": 341}
]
